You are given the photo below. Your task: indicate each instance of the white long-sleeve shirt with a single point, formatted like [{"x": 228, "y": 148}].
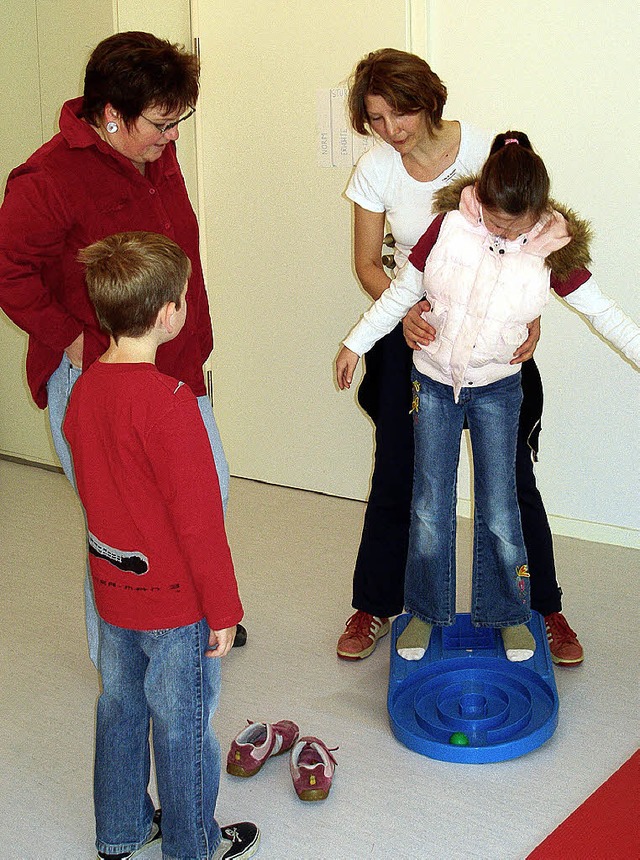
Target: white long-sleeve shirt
[{"x": 580, "y": 291}]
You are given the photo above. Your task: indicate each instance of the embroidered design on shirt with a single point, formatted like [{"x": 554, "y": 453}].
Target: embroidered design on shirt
[{"x": 128, "y": 562}]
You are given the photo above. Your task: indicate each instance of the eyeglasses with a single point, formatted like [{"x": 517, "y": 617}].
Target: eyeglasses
[{"x": 167, "y": 126}]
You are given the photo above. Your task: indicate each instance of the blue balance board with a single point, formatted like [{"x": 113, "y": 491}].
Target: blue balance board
[{"x": 465, "y": 702}]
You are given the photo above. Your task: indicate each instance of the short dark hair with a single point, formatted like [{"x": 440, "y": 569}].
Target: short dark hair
[
  {"x": 130, "y": 277},
  {"x": 514, "y": 179},
  {"x": 134, "y": 71},
  {"x": 404, "y": 80}
]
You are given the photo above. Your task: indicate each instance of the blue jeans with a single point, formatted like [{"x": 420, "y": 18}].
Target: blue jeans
[
  {"x": 162, "y": 677},
  {"x": 59, "y": 388},
  {"x": 500, "y": 590}
]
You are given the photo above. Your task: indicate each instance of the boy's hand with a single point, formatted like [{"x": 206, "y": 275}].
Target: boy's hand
[
  {"x": 220, "y": 642},
  {"x": 416, "y": 330},
  {"x": 345, "y": 365},
  {"x": 525, "y": 351}
]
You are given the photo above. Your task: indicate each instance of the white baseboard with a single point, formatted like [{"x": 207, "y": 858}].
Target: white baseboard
[{"x": 580, "y": 529}]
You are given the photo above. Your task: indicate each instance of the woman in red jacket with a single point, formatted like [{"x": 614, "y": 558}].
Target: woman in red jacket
[{"x": 111, "y": 168}]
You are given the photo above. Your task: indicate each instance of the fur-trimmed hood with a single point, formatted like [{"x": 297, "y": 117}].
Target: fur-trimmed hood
[{"x": 574, "y": 255}]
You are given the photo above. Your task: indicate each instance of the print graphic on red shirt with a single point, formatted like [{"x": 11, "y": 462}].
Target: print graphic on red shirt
[{"x": 134, "y": 562}]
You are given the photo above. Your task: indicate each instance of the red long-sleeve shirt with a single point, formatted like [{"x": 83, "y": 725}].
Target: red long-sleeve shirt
[
  {"x": 71, "y": 192},
  {"x": 145, "y": 474}
]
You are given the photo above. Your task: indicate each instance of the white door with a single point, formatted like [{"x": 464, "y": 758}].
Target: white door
[
  {"x": 278, "y": 235},
  {"x": 43, "y": 60}
]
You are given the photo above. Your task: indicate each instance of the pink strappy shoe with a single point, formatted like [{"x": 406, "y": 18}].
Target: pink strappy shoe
[
  {"x": 251, "y": 747},
  {"x": 312, "y": 767}
]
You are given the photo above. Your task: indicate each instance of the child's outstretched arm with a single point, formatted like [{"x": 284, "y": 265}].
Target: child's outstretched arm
[
  {"x": 383, "y": 316},
  {"x": 605, "y": 316},
  {"x": 345, "y": 365},
  {"x": 390, "y": 308}
]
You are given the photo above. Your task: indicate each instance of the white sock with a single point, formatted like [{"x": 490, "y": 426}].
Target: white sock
[
  {"x": 414, "y": 640},
  {"x": 519, "y": 643}
]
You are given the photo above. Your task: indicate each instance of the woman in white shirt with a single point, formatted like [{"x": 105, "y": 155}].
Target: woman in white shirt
[{"x": 396, "y": 97}]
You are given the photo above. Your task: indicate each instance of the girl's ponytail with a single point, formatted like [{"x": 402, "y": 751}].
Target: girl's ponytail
[
  {"x": 502, "y": 140},
  {"x": 514, "y": 179}
]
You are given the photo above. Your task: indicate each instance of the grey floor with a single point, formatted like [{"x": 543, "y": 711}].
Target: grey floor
[{"x": 294, "y": 553}]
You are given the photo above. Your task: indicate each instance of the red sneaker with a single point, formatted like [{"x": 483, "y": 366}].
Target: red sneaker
[
  {"x": 256, "y": 743},
  {"x": 361, "y": 635},
  {"x": 312, "y": 767},
  {"x": 563, "y": 642}
]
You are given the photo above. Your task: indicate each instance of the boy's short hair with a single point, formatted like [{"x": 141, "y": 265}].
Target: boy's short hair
[{"x": 130, "y": 277}]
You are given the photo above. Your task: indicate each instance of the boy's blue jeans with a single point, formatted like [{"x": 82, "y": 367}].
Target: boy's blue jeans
[
  {"x": 500, "y": 589},
  {"x": 162, "y": 676},
  {"x": 59, "y": 388}
]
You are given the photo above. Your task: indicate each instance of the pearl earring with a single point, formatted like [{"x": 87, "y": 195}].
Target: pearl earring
[{"x": 112, "y": 127}]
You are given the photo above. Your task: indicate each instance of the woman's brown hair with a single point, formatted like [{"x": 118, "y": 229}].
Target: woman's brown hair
[{"x": 404, "y": 80}]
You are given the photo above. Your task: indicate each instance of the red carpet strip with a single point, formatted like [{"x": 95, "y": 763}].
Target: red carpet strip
[{"x": 605, "y": 827}]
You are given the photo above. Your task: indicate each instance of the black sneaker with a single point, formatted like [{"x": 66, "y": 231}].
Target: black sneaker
[
  {"x": 239, "y": 841},
  {"x": 154, "y": 837},
  {"x": 241, "y": 636}
]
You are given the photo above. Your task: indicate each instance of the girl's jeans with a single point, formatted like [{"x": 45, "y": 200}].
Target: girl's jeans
[
  {"x": 59, "y": 388},
  {"x": 500, "y": 590},
  {"x": 160, "y": 676}
]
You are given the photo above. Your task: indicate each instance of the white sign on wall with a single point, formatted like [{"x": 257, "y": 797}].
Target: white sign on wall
[{"x": 338, "y": 144}]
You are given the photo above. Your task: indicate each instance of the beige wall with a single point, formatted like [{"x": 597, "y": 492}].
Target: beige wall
[
  {"x": 280, "y": 277},
  {"x": 277, "y": 230}
]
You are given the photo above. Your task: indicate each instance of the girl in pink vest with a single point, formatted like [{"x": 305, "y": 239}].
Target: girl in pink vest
[{"x": 486, "y": 265}]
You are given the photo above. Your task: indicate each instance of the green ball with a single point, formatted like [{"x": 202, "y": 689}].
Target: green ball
[{"x": 459, "y": 739}]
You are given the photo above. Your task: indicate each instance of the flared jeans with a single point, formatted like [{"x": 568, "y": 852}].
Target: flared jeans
[{"x": 500, "y": 587}]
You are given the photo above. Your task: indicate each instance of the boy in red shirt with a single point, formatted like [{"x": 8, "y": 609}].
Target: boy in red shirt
[{"x": 162, "y": 572}]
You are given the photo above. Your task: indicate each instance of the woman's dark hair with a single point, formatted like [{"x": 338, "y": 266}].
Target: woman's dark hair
[
  {"x": 134, "y": 71},
  {"x": 514, "y": 179},
  {"x": 404, "y": 80}
]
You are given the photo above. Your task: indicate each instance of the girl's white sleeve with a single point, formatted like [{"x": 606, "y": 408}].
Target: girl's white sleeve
[
  {"x": 607, "y": 319},
  {"x": 384, "y": 314}
]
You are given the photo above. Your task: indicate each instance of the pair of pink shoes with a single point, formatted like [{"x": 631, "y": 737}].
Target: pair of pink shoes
[{"x": 311, "y": 762}]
